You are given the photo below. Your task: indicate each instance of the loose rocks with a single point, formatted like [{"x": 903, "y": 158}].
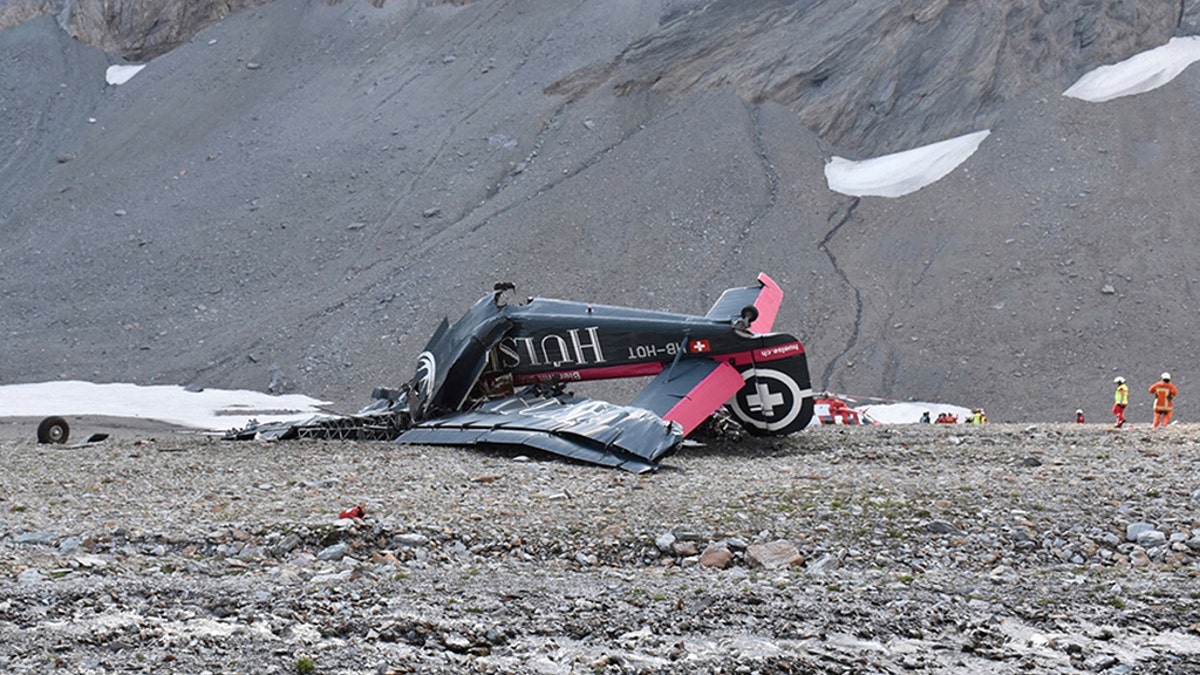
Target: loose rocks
[{"x": 836, "y": 550}]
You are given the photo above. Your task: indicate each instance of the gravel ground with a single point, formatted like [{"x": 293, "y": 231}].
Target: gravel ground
[{"x": 1006, "y": 548}]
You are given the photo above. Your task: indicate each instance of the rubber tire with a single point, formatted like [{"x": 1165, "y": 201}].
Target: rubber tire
[
  {"x": 749, "y": 314},
  {"x": 53, "y": 430}
]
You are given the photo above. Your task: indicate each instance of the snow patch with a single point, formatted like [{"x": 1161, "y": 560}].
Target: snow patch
[
  {"x": 121, "y": 74},
  {"x": 1137, "y": 74},
  {"x": 901, "y": 173},
  {"x": 906, "y": 172},
  {"x": 213, "y": 409}
]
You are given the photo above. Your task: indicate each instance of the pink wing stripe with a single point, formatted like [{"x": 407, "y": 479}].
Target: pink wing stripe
[
  {"x": 703, "y": 400},
  {"x": 767, "y": 304}
]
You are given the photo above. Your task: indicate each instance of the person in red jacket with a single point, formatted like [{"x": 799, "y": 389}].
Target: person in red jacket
[{"x": 1164, "y": 400}]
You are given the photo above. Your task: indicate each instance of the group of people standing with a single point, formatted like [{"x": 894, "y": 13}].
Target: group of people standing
[
  {"x": 1164, "y": 392},
  {"x": 977, "y": 417}
]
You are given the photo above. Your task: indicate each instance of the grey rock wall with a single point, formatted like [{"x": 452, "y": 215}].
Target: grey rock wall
[
  {"x": 294, "y": 197},
  {"x": 142, "y": 29},
  {"x": 1189, "y": 22},
  {"x": 135, "y": 29},
  {"x": 866, "y": 77},
  {"x": 13, "y": 12},
  {"x": 875, "y": 77}
]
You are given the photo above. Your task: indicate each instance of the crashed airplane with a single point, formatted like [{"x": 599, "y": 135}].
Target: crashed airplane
[{"x": 465, "y": 390}]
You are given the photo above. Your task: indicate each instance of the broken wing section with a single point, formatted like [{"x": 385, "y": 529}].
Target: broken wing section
[
  {"x": 602, "y": 433},
  {"x": 765, "y": 298},
  {"x": 690, "y": 391},
  {"x": 383, "y": 420}
]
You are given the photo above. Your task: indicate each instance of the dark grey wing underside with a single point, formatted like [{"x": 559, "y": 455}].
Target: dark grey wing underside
[{"x": 602, "y": 433}]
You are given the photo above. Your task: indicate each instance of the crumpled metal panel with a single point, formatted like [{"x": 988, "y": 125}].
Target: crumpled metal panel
[
  {"x": 592, "y": 431},
  {"x": 383, "y": 425},
  {"x": 454, "y": 358}
]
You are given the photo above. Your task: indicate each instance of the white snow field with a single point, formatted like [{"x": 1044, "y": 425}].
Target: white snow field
[{"x": 211, "y": 409}]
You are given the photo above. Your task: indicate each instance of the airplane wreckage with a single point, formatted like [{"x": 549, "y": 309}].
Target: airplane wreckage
[{"x": 465, "y": 390}]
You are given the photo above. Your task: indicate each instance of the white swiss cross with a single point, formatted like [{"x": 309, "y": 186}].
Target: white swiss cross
[
  {"x": 700, "y": 346},
  {"x": 764, "y": 400}
]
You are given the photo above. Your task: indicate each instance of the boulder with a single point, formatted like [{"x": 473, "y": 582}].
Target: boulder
[
  {"x": 774, "y": 555},
  {"x": 719, "y": 558}
]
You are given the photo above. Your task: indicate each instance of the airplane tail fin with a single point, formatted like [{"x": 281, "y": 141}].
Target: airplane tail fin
[
  {"x": 765, "y": 299},
  {"x": 777, "y": 396}
]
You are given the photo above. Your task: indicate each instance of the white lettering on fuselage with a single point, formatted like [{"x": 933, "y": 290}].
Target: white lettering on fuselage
[
  {"x": 644, "y": 352},
  {"x": 781, "y": 349},
  {"x": 561, "y": 376},
  {"x": 578, "y": 346}
]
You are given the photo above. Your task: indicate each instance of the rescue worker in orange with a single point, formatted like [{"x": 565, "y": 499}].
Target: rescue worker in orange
[
  {"x": 1164, "y": 400},
  {"x": 1120, "y": 400}
]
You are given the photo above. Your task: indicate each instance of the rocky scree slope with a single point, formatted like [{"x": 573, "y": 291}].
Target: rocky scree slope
[{"x": 294, "y": 197}]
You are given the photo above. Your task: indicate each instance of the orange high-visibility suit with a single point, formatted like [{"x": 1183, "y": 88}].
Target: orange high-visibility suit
[{"x": 1164, "y": 401}]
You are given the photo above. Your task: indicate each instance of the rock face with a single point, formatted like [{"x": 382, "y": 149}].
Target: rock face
[
  {"x": 866, "y": 77},
  {"x": 1189, "y": 22},
  {"x": 293, "y": 198},
  {"x": 13, "y": 12},
  {"x": 874, "y": 77},
  {"x": 143, "y": 29},
  {"x": 135, "y": 29}
]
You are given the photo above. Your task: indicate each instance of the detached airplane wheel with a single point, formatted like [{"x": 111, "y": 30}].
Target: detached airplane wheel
[{"x": 53, "y": 430}]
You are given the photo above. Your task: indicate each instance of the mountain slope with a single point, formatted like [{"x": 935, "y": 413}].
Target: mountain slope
[{"x": 294, "y": 197}]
